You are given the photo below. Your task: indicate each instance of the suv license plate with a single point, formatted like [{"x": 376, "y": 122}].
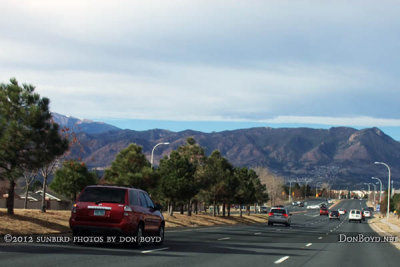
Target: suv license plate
[{"x": 99, "y": 212}]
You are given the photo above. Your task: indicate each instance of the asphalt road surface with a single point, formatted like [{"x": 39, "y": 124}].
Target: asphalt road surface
[{"x": 311, "y": 240}]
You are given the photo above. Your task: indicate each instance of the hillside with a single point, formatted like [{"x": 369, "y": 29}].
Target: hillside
[{"x": 343, "y": 156}]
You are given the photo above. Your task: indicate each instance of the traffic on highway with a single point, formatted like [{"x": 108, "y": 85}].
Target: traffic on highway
[{"x": 302, "y": 238}]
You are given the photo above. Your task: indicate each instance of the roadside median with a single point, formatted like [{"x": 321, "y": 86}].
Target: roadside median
[{"x": 26, "y": 222}]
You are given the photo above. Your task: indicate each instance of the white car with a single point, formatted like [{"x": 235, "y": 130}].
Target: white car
[
  {"x": 313, "y": 207},
  {"x": 342, "y": 211},
  {"x": 355, "y": 215},
  {"x": 367, "y": 214}
]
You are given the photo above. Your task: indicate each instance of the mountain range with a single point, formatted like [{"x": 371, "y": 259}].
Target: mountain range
[{"x": 342, "y": 156}]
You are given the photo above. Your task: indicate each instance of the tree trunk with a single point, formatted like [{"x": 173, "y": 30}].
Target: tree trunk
[
  {"x": 190, "y": 208},
  {"x": 229, "y": 209},
  {"x": 215, "y": 209},
  {"x": 168, "y": 203},
  {"x": 171, "y": 210},
  {"x": 181, "y": 208},
  {"x": 196, "y": 207},
  {"x": 223, "y": 209},
  {"x": 44, "y": 206},
  {"x": 26, "y": 196},
  {"x": 240, "y": 210},
  {"x": 10, "y": 198},
  {"x": 248, "y": 210}
]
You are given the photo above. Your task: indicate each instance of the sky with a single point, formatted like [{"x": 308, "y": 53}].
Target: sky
[{"x": 209, "y": 65}]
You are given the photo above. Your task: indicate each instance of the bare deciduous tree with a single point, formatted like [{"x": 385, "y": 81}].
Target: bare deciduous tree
[{"x": 273, "y": 182}]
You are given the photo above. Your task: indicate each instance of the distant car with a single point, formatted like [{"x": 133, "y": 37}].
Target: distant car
[
  {"x": 313, "y": 207},
  {"x": 280, "y": 215},
  {"x": 330, "y": 201},
  {"x": 263, "y": 209},
  {"x": 301, "y": 204},
  {"x": 334, "y": 214},
  {"x": 362, "y": 215},
  {"x": 295, "y": 204},
  {"x": 355, "y": 215},
  {"x": 342, "y": 211},
  {"x": 367, "y": 214},
  {"x": 323, "y": 211}
]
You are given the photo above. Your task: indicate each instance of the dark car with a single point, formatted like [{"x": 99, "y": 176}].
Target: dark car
[
  {"x": 114, "y": 210},
  {"x": 334, "y": 214}
]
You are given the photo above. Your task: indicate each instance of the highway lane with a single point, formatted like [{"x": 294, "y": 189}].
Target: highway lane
[{"x": 311, "y": 240}]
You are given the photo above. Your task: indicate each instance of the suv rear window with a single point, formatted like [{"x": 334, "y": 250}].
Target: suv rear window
[
  {"x": 280, "y": 211},
  {"x": 103, "y": 194}
]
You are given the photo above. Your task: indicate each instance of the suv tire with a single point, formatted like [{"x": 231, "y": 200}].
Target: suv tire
[
  {"x": 139, "y": 235},
  {"x": 160, "y": 233}
]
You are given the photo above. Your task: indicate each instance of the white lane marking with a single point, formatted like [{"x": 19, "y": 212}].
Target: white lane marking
[
  {"x": 257, "y": 233},
  {"x": 320, "y": 237},
  {"x": 281, "y": 260},
  {"x": 309, "y": 244},
  {"x": 153, "y": 250},
  {"x": 224, "y": 238}
]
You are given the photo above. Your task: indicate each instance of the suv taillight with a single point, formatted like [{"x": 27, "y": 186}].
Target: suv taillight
[
  {"x": 74, "y": 208},
  {"x": 270, "y": 214},
  {"x": 285, "y": 215},
  {"x": 126, "y": 210}
]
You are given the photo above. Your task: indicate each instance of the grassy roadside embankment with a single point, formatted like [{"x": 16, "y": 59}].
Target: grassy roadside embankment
[
  {"x": 26, "y": 222},
  {"x": 380, "y": 225}
]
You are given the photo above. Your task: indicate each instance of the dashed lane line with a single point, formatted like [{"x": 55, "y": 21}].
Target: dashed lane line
[
  {"x": 154, "y": 250},
  {"x": 281, "y": 260}
]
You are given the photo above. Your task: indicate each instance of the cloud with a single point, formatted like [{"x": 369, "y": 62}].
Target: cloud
[{"x": 207, "y": 60}]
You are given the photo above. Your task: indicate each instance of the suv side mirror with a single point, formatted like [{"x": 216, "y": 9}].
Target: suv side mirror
[{"x": 158, "y": 207}]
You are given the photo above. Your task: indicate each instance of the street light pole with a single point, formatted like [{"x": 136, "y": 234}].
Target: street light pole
[
  {"x": 380, "y": 192},
  {"x": 290, "y": 190},
  {"x": 374, "y": 194},
  {"x": 369, "y": 191},
  {"x": 316, "y": 186},
  {"x": 388, "y": 202},
  {"x": 152, "y": 152}
]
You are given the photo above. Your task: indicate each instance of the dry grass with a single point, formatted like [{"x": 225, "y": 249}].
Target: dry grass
[
  {"x": 179, "y": 220},
  {"x": 25, "y": 222},
  {"x": 34, "y": 222},
  {"x": 383, "y": 229}
]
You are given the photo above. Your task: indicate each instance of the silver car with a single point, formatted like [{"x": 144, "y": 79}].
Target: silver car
[{"x": 279, "y": 215}]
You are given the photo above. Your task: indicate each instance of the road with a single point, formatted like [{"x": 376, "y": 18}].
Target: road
[{"x": 311, "y": 240}]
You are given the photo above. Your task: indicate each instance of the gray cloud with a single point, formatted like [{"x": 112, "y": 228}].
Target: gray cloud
[{"x": 207, "y": 60}]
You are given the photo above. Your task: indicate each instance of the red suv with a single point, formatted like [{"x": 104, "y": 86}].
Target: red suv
[{"x": 105, "y": 210}]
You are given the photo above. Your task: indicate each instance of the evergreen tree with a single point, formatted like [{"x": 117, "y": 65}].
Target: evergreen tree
[
  {"x": 28, "y": 137},
  {"x": 72, "y": 178},
  {"x": 131, "y": 168}
]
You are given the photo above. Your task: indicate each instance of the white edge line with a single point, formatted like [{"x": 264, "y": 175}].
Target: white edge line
[
  {"x": 281, "y": 260},
  {"x": 224, "y": 238},
  {"x": 149, "y": 251}
]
